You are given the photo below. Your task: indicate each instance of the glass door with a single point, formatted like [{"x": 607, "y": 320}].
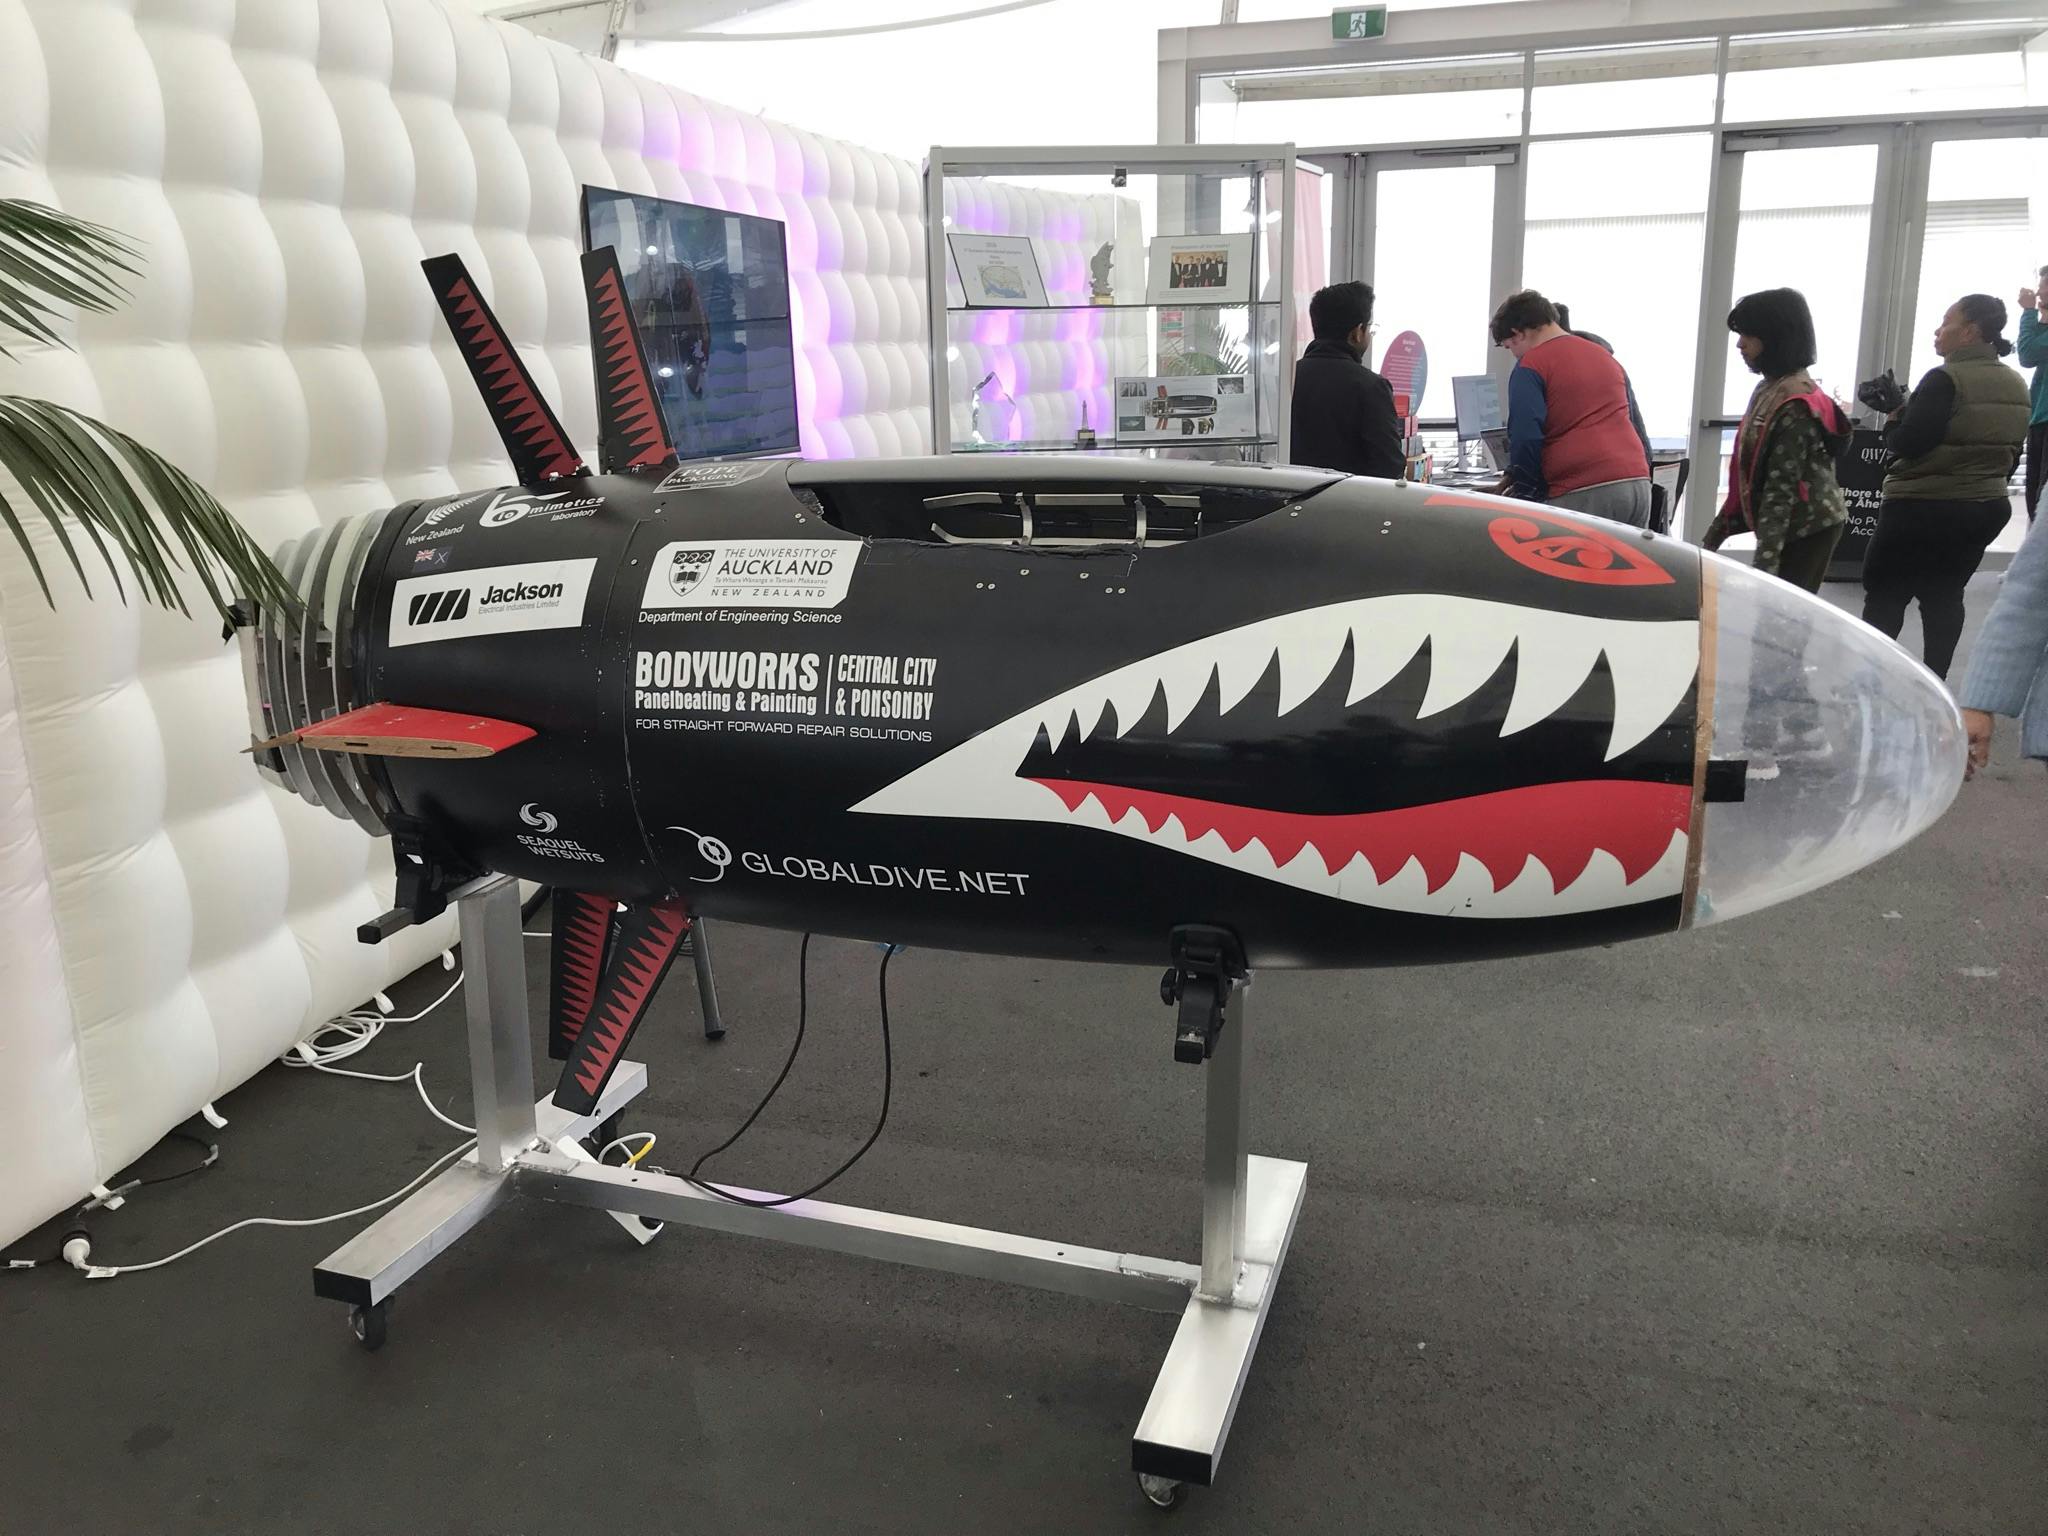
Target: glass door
[
  {"x": 1806, "y": 208},
  {"x": 1616, "y": 230},
  {"x": 1985, "y": 230},
  {"x": 1423, "y": 228},
  {"x": 1430, "y": 251}
]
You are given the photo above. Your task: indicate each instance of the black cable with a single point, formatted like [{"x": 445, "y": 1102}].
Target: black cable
[
  {"x": 803, "y": 1008},
  {"x": 888, "y": 1082},
  {"x": 212, "y": 1150},
  {"x": 124, "y": 1189}
]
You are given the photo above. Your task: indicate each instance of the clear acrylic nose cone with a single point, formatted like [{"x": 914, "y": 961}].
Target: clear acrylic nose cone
[{"x": 1850, "y": 747}]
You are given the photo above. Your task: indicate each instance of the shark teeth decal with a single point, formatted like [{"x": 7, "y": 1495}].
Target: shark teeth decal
[{"x": 1589, "y": 844}]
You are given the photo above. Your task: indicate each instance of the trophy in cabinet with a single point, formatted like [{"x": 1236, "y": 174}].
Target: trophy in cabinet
[{"x": 1098, "y": 275}]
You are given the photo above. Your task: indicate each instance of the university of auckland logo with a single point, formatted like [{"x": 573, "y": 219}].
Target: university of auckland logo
[{"x": 688, "y": 570}]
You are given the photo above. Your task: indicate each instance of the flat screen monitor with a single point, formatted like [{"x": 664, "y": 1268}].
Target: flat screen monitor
[
  {"x": 710, "y": 293},
  {"x": 1477, "y": 398}
]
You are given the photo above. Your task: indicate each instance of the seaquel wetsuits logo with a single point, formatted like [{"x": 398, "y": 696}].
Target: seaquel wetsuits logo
[{"x": 498, "y": 600}]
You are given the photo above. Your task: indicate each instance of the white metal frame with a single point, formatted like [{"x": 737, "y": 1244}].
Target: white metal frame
[
  {"x": 1249, "y": 1208},
  {"x": 1899, "y": 201},
  {"x": 1163, "y": 160}
]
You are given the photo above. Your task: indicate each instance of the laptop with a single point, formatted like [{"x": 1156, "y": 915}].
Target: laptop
[{"x": 1496, "y": 440}]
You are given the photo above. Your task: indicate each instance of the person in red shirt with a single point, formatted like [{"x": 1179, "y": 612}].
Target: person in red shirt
[{"x": 1571, "y": 439}]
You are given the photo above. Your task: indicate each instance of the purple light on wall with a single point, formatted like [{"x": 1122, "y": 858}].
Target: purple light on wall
[{"x": 758, "y": 167}]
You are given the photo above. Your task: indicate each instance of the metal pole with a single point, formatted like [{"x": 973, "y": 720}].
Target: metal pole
[
  {"x": 707, "y": 989},
  {"x": 1223, "y": 1157},
  {"x": 494, "y": 997}
]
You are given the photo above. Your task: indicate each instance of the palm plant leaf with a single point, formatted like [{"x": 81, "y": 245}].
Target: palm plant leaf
[
  {"x": 48, "y": 254},
  {"x": 73, "y": 469}
]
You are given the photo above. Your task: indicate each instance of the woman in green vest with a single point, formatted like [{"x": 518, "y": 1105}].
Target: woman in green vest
[{"x": 1955, "y": 445}]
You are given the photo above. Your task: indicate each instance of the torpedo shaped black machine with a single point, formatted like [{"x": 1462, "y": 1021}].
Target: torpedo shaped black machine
[{"x": 1063, "y": 706}]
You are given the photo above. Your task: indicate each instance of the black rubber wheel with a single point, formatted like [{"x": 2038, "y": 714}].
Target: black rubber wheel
[
  {"x": 370, "y": 1325},
  {"x": 1162, "y": 1493}
]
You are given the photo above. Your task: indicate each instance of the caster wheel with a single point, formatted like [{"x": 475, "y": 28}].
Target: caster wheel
[
  {"x": 1160, "y": 1492},
  {"x": 370, "y": 1324}
]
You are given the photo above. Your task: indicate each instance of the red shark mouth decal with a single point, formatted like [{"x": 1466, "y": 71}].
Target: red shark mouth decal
[
  {"x": 1561, "y": 826},
  {"x": 1592, "y": 839}
]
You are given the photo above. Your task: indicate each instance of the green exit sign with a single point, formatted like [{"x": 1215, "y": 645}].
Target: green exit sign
[{"x": 1356, "y": 22}]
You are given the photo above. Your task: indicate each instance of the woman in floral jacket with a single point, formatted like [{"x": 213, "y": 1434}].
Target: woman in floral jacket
[{"x": 1781, "y": 483}]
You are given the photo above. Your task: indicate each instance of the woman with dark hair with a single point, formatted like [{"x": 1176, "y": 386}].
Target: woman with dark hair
[
  {"x": 1781, "y": 482},
  {"x": 1954, "y": 446}
]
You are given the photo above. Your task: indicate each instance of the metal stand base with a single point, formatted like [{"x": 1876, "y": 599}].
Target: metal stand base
[{"x": 1249, "y": 1207}]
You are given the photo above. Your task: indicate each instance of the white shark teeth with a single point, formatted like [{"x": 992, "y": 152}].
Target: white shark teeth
[
  {"x": 1239, "y": 666},
  {"x": 1651, "y": 664},
  {"x": 1652, "y": 669},
  {"x": 1311, "y": 653},
  {"x": 1130, "y": 691},
  {"x": 1384, "y": 640},
  {"x": 1185, "y": 673},
  {"x": 1552, "y": 661},
  {"x": 1460, "y": 660}
]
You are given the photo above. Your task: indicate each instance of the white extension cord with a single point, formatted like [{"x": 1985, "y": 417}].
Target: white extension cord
[
  {"x": 77, "y": 1251},
  {"x": 336, "y": 1040}
]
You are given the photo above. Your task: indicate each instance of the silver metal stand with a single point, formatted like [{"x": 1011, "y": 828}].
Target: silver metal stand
[{"x": 1249, "y": 1207}]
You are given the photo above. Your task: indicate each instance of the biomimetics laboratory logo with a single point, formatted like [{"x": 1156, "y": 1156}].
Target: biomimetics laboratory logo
[{"x": 688, "y": 570}]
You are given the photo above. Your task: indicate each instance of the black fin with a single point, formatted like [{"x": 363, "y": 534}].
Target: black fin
[
  {"x": 540, "y": 450},
  {"x": 631, "y": 433}
]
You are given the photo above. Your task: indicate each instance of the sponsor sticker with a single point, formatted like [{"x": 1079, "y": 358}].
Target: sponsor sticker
[
  {"x": 435, "y": 523},
  {"x": 542, "y": 840},
  {"x": 701, "y": 477},
  {"x": 751, "y": 573},
  {"x": 430, "y": 559},
  {"x": 888, "y": 877},
  {"x": 717, "y": 858},
  {"x": 508, "y": 507},
  {"x": 498, "y": 600},
  {"x": 850, "y": 694}
]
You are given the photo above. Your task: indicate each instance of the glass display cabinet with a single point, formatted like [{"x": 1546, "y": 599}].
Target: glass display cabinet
[{"x": 1136, "y": 300}]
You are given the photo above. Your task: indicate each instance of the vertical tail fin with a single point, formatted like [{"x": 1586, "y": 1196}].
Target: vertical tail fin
[
  {"x": 582, "y": 942},
  {"x": 539, "y": 448},
  {"x": 630, "y": 431},
  {"x": 641, "y": 952}
]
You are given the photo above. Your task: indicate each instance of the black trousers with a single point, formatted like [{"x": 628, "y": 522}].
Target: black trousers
[
  {"x": 1804, "y": 562},
  {"x": 1928, "y": 550},
  {"x": 2037, "y": 464}
]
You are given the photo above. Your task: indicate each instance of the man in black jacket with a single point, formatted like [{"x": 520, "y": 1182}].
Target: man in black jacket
[{"x": 1344, "y": 412}]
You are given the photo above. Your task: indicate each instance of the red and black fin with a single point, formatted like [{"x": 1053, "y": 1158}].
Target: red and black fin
[
  {"x": 630, "y": 431},
  {"x": 645, "y": 945},
  {"x": 581, "y": 942},
  {"x": 400, "y": 730},
  {"x": 539, "y": 448}
]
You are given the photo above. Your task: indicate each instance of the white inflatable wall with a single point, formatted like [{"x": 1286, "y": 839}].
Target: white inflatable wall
[
  {"x": 168, "y": 925},
  {"x": 1047, "y": 366}
]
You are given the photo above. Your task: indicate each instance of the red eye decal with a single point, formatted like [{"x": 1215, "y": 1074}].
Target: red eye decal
[{"x": 1580, "y": 553}]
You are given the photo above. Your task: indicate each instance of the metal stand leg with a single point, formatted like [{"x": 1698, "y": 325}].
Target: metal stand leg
[
  {"x": 707, "y": 989},
  {"x": 1249, "y": 1208},
  {"x": 494, "y": 997},
  {"x": 366, "y": 1270}
]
